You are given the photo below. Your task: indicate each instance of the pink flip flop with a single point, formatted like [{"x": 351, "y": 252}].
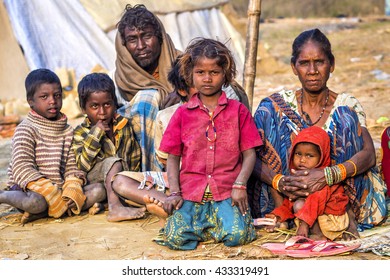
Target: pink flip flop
[
  {"x": 302, "y": 247},
  {"x": 264, "y": 222}
]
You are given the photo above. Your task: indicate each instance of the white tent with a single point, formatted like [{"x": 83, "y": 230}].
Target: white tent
[
  {"x": 13, "y": 66},
  {"x": 79, "y": 34}
]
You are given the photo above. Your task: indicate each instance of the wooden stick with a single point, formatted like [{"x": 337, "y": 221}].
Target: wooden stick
[{"x": 254, "y": 12}]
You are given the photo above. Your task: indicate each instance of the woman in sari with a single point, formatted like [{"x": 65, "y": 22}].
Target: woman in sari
[{"x": 282, "y": 115}]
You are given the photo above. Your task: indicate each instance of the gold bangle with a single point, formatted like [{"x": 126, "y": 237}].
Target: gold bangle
[
  {"x": 275, "y": 181},
  {"x": 354, "y": 167},
  {"x": 343, "y": 171}
]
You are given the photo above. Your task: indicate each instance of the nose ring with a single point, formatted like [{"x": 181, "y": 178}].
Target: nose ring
[{"x": 317, "y": 72}]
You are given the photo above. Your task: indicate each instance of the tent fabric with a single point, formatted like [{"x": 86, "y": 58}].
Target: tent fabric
[
  {"x": 59, "y": 34},
  {"x": 107, "y": 13},
  {"x": 69, "y": 34},
  {"x": 13, "y": 66}
]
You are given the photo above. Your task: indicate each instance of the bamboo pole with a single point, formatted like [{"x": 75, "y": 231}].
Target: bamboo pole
[{"x": 252, "y": 37}]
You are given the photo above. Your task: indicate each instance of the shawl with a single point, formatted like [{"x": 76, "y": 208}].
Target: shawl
[{"x": 131, "y": 78}]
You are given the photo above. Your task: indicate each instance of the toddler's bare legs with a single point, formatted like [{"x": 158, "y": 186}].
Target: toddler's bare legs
[{"x": 303, "y": 228}]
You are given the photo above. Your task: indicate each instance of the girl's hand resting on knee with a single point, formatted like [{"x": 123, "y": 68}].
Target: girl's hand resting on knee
[
  {"x": 172, "y": 203},
  {"x": 240, "y": 199}
]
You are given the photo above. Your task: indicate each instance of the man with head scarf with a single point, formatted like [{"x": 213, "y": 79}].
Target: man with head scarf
[{"x": 145, "y": 53}]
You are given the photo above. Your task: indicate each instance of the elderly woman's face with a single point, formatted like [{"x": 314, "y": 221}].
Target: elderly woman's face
[
  {"x": 312, "y": 67},
  {"x": 143, "y": 46}
]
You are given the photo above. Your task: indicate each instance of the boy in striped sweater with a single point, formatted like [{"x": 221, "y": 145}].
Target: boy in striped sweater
[{"x": 43, "y": 176}]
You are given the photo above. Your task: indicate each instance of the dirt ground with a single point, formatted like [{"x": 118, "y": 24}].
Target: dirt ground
[{"x": 361, "y": 46}]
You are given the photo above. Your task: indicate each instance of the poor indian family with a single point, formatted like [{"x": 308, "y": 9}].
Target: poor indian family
[{"x": 170, "y": 133}]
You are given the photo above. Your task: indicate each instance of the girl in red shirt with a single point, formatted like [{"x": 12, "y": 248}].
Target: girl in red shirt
[{"x": 214, "y": 139}]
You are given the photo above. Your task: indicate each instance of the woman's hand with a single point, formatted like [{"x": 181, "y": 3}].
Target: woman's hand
[
  {"x": 172, "y": 203},
  {"x": 301, "y": 183},
  {"x": 240, "y": 199}
]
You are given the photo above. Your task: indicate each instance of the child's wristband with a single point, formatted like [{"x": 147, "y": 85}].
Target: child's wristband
[
  {"x": 175, "y": 194},
  {"x": 239, "y": 187}
]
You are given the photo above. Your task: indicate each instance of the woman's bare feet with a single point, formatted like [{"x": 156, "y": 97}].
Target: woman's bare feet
[
  {"x": 154, "y": 206},
  {"x": 351, "y": 233},
  {"x": 96, "y": 208},
  {"x": 316, "y": 233},
  {"x": 124, "y": 213}
]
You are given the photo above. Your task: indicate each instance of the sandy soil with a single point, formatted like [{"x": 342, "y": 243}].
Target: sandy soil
[{"x": 360, "y": 47}]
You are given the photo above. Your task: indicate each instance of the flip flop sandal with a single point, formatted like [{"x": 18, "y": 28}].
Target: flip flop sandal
[
  {"x": 294, "y": 243},
  {"x": 302, "y": 247},
  {"x": 326, "y": 248},
  {"x": 264, "y": 222}
]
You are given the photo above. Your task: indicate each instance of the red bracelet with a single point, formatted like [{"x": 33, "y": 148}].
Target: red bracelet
[
  {"x": 175, "y": 193},
  {"x": 240, "y": 187}
]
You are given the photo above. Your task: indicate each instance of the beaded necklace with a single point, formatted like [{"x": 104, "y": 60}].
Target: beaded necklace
[
  {"x": 306, "y": 115},
  {"x": 211, "y": 125}
]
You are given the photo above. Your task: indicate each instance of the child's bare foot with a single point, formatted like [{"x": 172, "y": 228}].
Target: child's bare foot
[
  {"x": 316, "y": 233},
  {"x": 124, "y": 213},
  {"x": 28, "y": 217},
  {"x": 96, "y": 208},
  {"x": 303, "y": 229},
  {"x": 154, "y": 206}
]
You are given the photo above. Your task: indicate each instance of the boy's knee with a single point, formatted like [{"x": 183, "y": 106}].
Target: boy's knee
[{"x": 117, "y": 184}]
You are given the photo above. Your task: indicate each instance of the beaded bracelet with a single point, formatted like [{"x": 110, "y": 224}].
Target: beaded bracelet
[
  {"x": 238, "y": 183},
  {"x": 275, "y": 181},
  {"x": 175, "y": 193},
  {"x": 354, "y": 167},
  {"x": 337, "y": 174},
  {"x": 239, "y": 187},
  {"x": 328, "y": 176}
]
